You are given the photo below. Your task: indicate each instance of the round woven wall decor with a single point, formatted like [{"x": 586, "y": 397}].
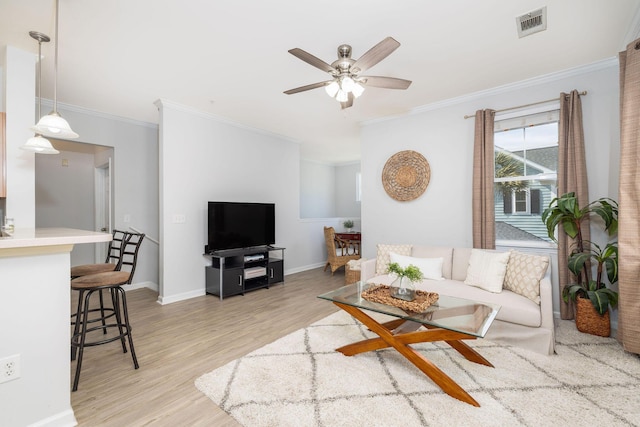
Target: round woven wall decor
[{"x": 406, "y": 175}]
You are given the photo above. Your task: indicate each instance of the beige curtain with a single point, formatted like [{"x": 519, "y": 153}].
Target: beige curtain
[
  {"x": 629, "y": 199},
  {"x": 484, "y": 221},
  {"x": 572, "y": 177}
]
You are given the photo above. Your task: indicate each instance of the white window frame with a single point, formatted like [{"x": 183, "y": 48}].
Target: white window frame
[
  {"x": 527, "y": 202},
  {"x": 514, "y": 117}
]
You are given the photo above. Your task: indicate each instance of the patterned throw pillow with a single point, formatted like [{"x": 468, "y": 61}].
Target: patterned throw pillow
[
  {"x": 382, "y": 260},
  {"x": 487, "y": 270},
  {"x": 524, "y": 273}
]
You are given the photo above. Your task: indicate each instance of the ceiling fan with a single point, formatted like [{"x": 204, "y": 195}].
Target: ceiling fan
[{"x": 347, "y": 83}]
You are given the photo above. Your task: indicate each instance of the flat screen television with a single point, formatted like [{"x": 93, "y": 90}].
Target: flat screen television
[{"x": 234, "y": 225}]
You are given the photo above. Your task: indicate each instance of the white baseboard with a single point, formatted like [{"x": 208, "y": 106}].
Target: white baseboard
[
  {"x": 62, "y": 419},
  {"x": 147, "y": 284},
  {"x": 304, "y": 268},
  {"x": 193, "y": 294},
  {"x": 180, "y": 297}
]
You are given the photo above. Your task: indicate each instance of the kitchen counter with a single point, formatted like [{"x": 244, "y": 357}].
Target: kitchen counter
[
  {"x": 30, "y": 237},
  {"x": 25, "y": 241},
  {"x": 35, "y": 306}
]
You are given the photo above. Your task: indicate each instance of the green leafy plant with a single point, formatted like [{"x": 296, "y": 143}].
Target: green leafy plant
[
  {"x": 565, "y": 211},
  {"x": 348, "y": 224},
  {"x": 411, "y": 272}
]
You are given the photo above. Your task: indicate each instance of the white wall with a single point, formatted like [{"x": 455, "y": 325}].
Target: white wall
[
  {"x": 19, "y": 90},
  {"x": 328, "y": 190},
  {"x": 204, "y": 158},
  {"x": 345, "y": 189},
  {"x": 34, "y": 312},
  {"x": 442, "y": 215},
  {"x": 2, "y": 108},
  {"x": 134, "y": 174},
  {"x": 317, "y": 190},
  {"x": 56, "y": 206}
]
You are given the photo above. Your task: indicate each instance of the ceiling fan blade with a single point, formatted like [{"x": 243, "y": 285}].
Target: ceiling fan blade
[
  {"x": 307, "y": 87},
  {"x": 385, "y": 82},
  {"x": 375, "y": 55},
  {"x": 348, "y": 103},
  {"x": 312, "y": 60}
]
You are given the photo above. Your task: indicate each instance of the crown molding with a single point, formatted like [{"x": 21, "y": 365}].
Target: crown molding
[
  {"x": 523, "y": 84},
  {"x": 89, "y": 112},
  {"x": 162, "y": 102},
  {"x": 633, "y": 32}
]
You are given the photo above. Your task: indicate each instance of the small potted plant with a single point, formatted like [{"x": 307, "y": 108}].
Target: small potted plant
[
  {"x": 348, "y": 224},
  {"x": 592, "y": 296},
  {"x": 403, "y": 286}
]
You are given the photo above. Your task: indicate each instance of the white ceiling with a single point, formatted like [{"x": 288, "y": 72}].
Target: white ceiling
[{"x": 230, "y": 59}]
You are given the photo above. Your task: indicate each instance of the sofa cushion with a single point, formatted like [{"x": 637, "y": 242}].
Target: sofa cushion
[
  {"x": 460, "y": 263},
  {"x": 382, "y": 260},
  {"x": 524, "y": 272},
  {"x": 431, "y": 268},
  {"x": 514, "y": 308},
  {"x": 436, "y": 252},
  {"x": 487, "y": 270}
]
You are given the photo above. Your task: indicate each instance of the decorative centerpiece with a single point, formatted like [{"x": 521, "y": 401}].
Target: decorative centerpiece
[
  {"x": 348, "y": 225},
  {"x": 403, "y": 286}
]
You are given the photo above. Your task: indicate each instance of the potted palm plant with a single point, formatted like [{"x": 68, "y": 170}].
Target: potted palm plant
[{"x": 591, "y": 295}]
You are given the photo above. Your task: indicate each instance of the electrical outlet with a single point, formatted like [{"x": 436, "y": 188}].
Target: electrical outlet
[
  {"x": 179, "y": 219},
  {"x": 10, "y": 368}
]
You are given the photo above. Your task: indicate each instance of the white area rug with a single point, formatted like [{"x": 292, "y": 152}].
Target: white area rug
[{"x": 299, "y": 380}]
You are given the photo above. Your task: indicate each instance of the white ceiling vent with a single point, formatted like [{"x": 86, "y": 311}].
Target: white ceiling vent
[{"x": 532, "y": 22}]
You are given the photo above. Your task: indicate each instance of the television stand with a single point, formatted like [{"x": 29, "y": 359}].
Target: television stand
[{"x": 236, "y": 271}]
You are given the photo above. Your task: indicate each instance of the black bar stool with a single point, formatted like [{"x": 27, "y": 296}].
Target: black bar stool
[
  {"x": 113, "y": 281},
  {"x": 111, "y": 263}
]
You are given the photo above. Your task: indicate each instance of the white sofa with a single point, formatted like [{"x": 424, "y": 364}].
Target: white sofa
[{"x": 520, "y": 322}]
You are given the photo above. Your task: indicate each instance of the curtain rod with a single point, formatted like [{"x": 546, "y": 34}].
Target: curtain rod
[{"x": 584, "y": 92}]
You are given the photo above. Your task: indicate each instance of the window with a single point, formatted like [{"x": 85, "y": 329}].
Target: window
[
  {"x": 526, "y": 162},
  {"x": 522, "y": 202}
]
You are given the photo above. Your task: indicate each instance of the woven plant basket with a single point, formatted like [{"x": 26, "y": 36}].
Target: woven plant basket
[
  {"x": 589, "y": 321},
  {"x": 351, "y": 276}
]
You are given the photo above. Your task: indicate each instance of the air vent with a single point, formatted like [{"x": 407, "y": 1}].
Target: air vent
[{"x": 532, "y": 22}]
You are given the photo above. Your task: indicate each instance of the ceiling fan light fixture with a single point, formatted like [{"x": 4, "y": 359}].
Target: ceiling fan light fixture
[
  {"x": 38, "y": 144},
  {"x": 357, "y": 90},
  {"x": 347, "y": 84},
  {"x": 332, "y": 88},
  {"x": 342, "y": 96}
]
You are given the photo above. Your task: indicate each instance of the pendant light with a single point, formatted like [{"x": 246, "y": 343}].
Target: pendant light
[
  {"x": 37, "y": 143},
  {"x": 53, "y": 124}
]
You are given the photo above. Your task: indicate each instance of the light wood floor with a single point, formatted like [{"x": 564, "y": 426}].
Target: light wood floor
[{"x": 176, "y": 343}]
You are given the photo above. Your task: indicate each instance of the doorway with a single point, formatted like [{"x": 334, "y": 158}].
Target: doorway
[
  {"x": 102, "y": 200},
  {"x": 74, "y": 190}
]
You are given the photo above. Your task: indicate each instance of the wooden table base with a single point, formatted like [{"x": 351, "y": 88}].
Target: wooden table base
[{"x": 400, "y": 333}]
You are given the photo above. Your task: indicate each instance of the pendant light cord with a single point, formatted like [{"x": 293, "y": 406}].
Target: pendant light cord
[
  {"x": 39, "y": 77},
  {"x": 55, "y": 64}
]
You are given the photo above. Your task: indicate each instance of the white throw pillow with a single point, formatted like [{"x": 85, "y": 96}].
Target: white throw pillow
[
  {"x": 382, "y": 260},
  {"x": 487, "y": 270},
  {"x": 524, "y": 273},
  {"x": 431, "y": 268}
]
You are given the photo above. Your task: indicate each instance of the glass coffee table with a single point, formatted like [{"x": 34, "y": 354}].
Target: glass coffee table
[{"x": 450, "y": 319}]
